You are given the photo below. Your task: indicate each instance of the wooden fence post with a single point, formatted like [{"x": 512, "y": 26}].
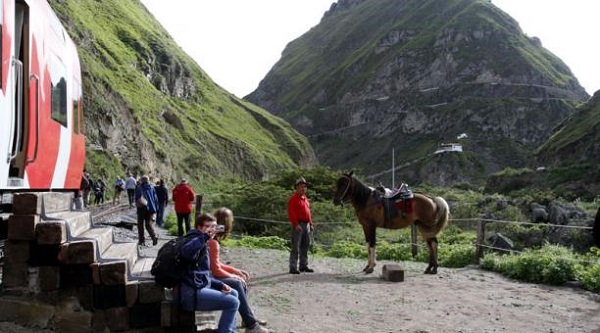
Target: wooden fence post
[
  {"x": 479, "y": 241},
  {"x": 414, "y": 249},
  {"x": 198, "y": 206}
]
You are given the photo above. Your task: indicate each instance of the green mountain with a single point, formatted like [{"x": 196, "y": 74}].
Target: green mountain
[
  {"x": 151, "y": 109},
  {"x": 382, "y": 81}
]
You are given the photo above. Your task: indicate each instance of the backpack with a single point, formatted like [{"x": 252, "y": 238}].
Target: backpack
[{"x": 169, "y": 267}]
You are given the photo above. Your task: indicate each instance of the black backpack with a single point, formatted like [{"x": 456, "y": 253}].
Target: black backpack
[{"x": 169, "y": 267}]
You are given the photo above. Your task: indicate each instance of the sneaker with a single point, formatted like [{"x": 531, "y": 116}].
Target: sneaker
[
  {"x": 257, "y": 329},
  {"x": 259, "y": 321},
  {"x": 294, "y": 271},
  {"x": 306, "y": 269}
]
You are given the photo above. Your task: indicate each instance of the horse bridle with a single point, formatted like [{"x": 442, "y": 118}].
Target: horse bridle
[{"x": 347, "y": 187}]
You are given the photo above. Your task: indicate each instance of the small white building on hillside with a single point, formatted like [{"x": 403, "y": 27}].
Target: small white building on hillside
[{"x": 449, "y": 147}]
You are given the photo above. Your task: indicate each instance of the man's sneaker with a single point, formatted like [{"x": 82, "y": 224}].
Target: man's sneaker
[
  {"x": 258, "y": 329},
  {"x": 294, "y": 271},
  {"x": 306, "y": 270}
]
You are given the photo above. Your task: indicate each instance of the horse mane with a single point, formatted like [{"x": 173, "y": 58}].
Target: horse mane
[{"x": 362, "y": 192}]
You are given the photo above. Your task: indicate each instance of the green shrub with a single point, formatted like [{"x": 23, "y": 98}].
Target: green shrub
[
  {"x": 550, "y": 264},
  {"x": 456, "y": 255},
  {"x": 346, "y": 249}
]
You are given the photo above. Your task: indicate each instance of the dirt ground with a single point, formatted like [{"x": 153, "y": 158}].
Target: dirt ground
[{"x": 338, "y": 297}]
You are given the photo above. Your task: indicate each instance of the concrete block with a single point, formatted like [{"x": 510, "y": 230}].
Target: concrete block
[
  {"x": 51, "y": 232},
  {"x": 113, "y": 273},
  {"x": 393, "y": 273},
  {"x": 150, "y": 292},
  {"x": 145, "y": 315},
  {"x": 49, "y": 278},
  {"x": 22, "y": 227},
  {"x": 27, "y": 204},
  {"x": 117, "y": 319}
]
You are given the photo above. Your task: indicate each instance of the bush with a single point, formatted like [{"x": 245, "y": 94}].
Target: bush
[
  {"x": 456, "y": 255},
  {"x": 550, "y": 264}
]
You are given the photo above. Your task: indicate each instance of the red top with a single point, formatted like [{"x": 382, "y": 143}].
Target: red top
[
  {"x": 299, "y": 210},
  {"x": 183, "y": 196},
  {"x": 218, "y": 269}
]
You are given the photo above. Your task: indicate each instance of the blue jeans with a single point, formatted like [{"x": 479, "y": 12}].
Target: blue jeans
[
  {"x": 183, "y": 217},
  {"x": 160, "y": 214},
  {"x": 245, "y": 311},
  {"x": 300, "y": 245},
  {"x": 208, "y": 299}
]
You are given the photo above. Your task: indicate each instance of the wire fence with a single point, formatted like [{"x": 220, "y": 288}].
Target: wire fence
[{"x": 491, "y": 234}]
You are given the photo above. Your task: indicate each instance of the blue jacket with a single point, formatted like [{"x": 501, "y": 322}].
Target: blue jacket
[
  {"x": 150, "y": 194},
  {"x": 198, "y": 275}
]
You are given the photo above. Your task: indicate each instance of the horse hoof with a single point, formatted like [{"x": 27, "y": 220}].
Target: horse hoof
[
  {"x": 369, "y": 270},
  {"x": 430, "y": 271}
]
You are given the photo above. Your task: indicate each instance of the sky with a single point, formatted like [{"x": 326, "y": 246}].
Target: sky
[{"x": 236, "y": 42}]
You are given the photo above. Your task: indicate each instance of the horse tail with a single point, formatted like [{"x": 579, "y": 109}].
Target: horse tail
[{"x": 442, "y": 213}]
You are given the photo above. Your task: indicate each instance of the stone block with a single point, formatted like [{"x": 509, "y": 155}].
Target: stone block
[
  {"x": 150, "y": 292},
  {"x": 117, "y": 319},
  {"x": 22, "y": 227},
  {"x": 113, "y": 273},
  {"x": 51, "y": 232},
  {"x": 49, "y": 278},
  {"x": 131, "y": 293},
  {"x": 106, "y": 297},
  {"x": 15, "y": 269},
  {"x": 75, "y": 275},
  {"x": 27, "y": 204},
  {"x": 393, "y": 273},
  {"x": 55, "y": 202},
  {"x": 44, "y": 255},
  {"x": 78, "y": 252},
  {"x": 145, "y": 315}
]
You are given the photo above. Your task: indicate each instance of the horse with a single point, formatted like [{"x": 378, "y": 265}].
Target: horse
[{"x": 429, "y": 215}]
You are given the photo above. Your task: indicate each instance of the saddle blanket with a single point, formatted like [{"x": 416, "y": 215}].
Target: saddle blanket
[{"x": 406, "y": 204}]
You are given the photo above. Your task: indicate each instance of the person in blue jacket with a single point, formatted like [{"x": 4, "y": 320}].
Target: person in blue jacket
[
  {"x": 198, "y": 289},
  {"x": 145, "y": 212}
]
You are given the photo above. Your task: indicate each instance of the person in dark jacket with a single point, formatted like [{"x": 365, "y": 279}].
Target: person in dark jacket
[
  {"x": 147, "y": 211},
  {"x": 198, "y": 289},
  {"x": 162, "y": 192}
]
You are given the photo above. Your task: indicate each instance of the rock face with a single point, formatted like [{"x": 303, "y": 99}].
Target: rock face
[
  {"x": 382, "y": 75},
  {"x": 150, "y": 109}
]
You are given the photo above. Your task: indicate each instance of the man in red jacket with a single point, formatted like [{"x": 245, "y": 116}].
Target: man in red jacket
[
  {"x": 302, "y": 225},
  {"x": 183, "y": 197}
]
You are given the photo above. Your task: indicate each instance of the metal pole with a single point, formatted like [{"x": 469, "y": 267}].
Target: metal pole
[{"x": 393, "y": 169}]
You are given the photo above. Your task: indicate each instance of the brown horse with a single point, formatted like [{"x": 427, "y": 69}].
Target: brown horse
[{"x": 430, "y": 215}]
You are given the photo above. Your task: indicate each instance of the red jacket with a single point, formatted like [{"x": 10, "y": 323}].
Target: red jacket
[{"x": 183, "y": 196}]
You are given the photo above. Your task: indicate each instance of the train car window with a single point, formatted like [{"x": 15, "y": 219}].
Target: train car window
[{"x": 58, "y": 92}]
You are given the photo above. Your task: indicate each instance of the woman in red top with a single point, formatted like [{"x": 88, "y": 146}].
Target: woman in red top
[{"x": 237, "y": 279}]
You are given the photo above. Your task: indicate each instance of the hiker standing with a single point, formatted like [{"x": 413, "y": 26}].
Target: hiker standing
[
  {"x": 146, "y": 202},
  {"x": 183, "y": 196}
]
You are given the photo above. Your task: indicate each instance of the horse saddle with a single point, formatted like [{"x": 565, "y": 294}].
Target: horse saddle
[{"x": 395, "y": 203}]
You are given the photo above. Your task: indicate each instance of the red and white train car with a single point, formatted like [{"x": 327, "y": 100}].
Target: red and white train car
[{"x": 42, "y": 146}]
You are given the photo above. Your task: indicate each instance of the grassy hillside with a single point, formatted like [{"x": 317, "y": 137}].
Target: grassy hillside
[{"x": 151, "y": 109}]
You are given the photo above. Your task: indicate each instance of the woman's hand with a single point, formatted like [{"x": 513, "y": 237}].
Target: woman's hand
[
  {"x": 244, "y": 274},
  {"x": 226, "y": 289}
]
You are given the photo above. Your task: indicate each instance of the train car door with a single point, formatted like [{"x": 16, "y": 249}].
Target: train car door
[{"x": 12, "y": 111}]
